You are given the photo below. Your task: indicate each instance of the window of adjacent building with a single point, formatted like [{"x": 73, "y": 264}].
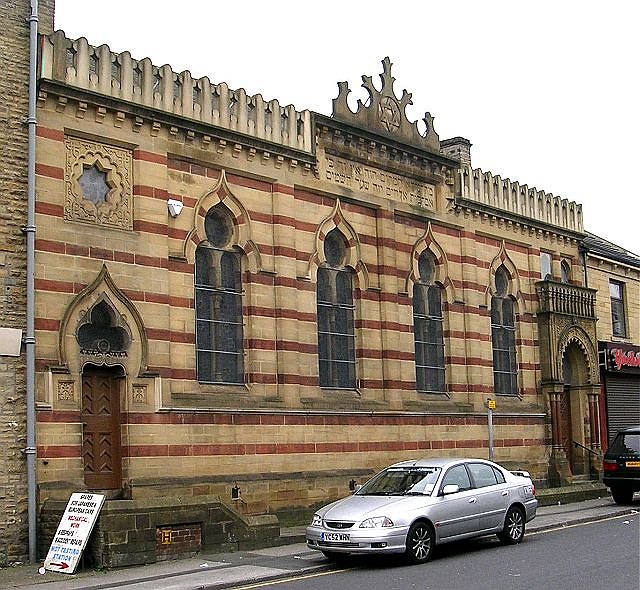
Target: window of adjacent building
[
  {"x": 618, "y": 322},
  {"x": 218, "y": 289},
  {"x": 428, "y": 328},
  {"x": 565, "y": 271},
  {"x": 336, "y": 335},
  {"x": 545, "y": 266},
  {"x": 503, "y": 337}
]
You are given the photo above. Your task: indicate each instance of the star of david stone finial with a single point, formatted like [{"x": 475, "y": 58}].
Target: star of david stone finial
[{"x": 385, "y": 114}]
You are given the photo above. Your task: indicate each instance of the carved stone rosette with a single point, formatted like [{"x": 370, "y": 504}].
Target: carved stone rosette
[{"x": 116, "y": 210}]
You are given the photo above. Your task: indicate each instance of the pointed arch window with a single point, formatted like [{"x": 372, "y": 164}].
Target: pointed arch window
[
  {"x": 503, "y": 337},
  {"x": 336, "y": 335},
  {"x": 218, "y": 290},
  {"x": 428, "y": 328}
]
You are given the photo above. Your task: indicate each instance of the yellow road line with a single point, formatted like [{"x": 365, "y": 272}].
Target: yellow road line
[{"x": 291, "y": 579}]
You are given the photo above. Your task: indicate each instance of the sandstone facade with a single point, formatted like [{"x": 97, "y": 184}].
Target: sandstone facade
[
  {"x": 157, "y": 192},
  {"x": 287, "y": 179}
]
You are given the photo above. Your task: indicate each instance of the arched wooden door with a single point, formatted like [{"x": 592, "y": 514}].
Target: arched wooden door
[{"x": 101, "y": 452}]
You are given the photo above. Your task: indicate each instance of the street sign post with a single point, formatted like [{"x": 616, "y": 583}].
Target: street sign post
[
  {"x": 73, "y": 532},
  {"x": 491, "y": 405}
]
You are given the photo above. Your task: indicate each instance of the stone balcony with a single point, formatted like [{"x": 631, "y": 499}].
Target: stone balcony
[{"x": 566, "y": 299}]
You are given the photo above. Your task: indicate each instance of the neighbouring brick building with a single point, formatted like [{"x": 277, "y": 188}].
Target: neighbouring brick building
[
  {"x": 242, "y": 300},
  {"x": 615, "y": 274}
]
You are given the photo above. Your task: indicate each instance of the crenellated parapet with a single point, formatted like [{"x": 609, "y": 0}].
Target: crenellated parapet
[
  {"x": 118, "y": 75},
  {"x": 518, "y": 199}
]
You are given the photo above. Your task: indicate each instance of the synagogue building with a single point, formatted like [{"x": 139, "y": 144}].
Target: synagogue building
[{"x": 249, "y": 303}]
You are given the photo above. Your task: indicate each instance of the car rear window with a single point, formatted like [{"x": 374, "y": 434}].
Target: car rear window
[
  {"x": 483, "y": 475},
  {"x": 627, "y": 444}
]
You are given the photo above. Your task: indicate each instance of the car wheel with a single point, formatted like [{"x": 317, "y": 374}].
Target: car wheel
[
  {"x": 622, "y": 495},
  {"x": 513, "y": 530},
  {"x": 420, "y": 542}
]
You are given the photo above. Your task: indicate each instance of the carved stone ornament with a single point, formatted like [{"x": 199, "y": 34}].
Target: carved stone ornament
[
  {"x": 98, "y": 184},
  {"x": 66, "y": 391},
  {"x": 139, "y": 394},
  {"x": 384, "y": 113},
  {"x": 103, "y": 335}
]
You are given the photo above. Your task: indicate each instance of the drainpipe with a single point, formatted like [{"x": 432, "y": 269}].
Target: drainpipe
[
  {"x": 582, "y": 249},
  {"x": 29, "y": 231}
]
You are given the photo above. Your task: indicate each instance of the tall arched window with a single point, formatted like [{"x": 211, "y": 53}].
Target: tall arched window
[
  {"x": 428, "y": 328},
  {"x": 503, "y": 337},
  {"x": 336, "y": 336},
  {"x": 218, "y": 287}
]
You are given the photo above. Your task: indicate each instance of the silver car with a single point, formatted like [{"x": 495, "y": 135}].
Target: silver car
[{"x": 414, "y": 505}]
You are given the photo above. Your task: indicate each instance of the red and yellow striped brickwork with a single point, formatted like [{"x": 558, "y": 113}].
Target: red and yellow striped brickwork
[{"x": 179, "y": 436}]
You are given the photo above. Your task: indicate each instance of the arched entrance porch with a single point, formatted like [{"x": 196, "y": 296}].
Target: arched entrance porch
[{"x": 574, "y": 413}]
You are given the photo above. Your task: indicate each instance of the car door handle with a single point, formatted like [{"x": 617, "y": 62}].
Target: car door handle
[
  {"x": 472, "y": 500},
  {"x": 505, "y": 493}
]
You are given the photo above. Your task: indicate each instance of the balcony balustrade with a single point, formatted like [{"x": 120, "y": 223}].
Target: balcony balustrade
[{"x": 565, "y": 299}]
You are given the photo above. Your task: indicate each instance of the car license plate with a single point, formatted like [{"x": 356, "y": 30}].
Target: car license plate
[
  {"x": 340, "y": 537},
  {"x": 632, "y": 464}
]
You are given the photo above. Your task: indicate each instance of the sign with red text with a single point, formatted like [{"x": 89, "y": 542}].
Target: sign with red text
[
  {"x": 620, "y": 357},
  {"x": 73, "y": 532}
]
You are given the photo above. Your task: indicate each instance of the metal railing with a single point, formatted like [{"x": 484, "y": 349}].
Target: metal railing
[{"x": 578, "y": 445}]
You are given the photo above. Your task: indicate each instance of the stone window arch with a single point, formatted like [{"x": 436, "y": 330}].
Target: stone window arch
[
  {"x": 428, "y": 327},
  {"x": 218, "y": 302},
  {"x": 335, "y": 314},
  {"x": 101, "y": 332},
  {"x": 503, "y": 336}
]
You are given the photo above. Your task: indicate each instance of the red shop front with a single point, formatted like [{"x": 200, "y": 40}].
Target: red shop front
[{"x": 620, "y": 379}]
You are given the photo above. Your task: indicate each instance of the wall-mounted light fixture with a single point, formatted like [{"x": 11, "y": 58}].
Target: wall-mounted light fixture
[{"x": 174, "y": 207}]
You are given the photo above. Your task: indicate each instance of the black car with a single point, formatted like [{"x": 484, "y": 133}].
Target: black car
[{"x": 622, "y": 465}]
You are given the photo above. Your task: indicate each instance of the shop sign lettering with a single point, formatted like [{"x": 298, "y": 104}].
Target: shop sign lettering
[{"x": 625, "y": 359}]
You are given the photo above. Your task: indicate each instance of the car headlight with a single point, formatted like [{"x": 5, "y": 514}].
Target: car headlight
[
  {"x": 316, "y": 520},
  {"x": 376, "y": 522}
]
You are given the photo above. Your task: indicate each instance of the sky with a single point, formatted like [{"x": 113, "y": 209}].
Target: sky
[{"x": 546, "y": 91}]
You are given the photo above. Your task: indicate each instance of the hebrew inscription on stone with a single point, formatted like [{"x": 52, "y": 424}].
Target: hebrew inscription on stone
[{"x": 373, "y": 181}]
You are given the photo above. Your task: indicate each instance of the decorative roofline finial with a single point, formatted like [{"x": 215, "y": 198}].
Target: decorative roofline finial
[{"x": 385, "y": 114}]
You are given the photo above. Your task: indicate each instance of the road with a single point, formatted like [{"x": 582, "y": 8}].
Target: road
[{"x": 591, "y": 556}]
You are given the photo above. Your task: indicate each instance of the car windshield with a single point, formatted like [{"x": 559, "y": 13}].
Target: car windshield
[
  {"x": 626, "y": 444},
  {"x": 398, "y": 481}
]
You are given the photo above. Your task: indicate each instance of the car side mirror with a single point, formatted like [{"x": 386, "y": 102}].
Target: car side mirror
[{"x": 450, "y": 489}]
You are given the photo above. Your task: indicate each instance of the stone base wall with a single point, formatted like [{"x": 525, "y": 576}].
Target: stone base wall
[
  {"x": 291, "y": 468},
  {"x": 130, "y": 532},
  {"x": 260, "y": 493}
]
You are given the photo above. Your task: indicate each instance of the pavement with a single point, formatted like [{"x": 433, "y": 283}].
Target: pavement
[{"x": 212, "y": 571}]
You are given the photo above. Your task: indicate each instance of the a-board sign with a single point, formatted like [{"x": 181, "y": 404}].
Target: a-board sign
[{"x": 73, "y": 532}]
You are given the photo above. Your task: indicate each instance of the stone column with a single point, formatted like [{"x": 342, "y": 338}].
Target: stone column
[
  {"x": 559, "y": 468},
  {"x": 595, "y": 466}
]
